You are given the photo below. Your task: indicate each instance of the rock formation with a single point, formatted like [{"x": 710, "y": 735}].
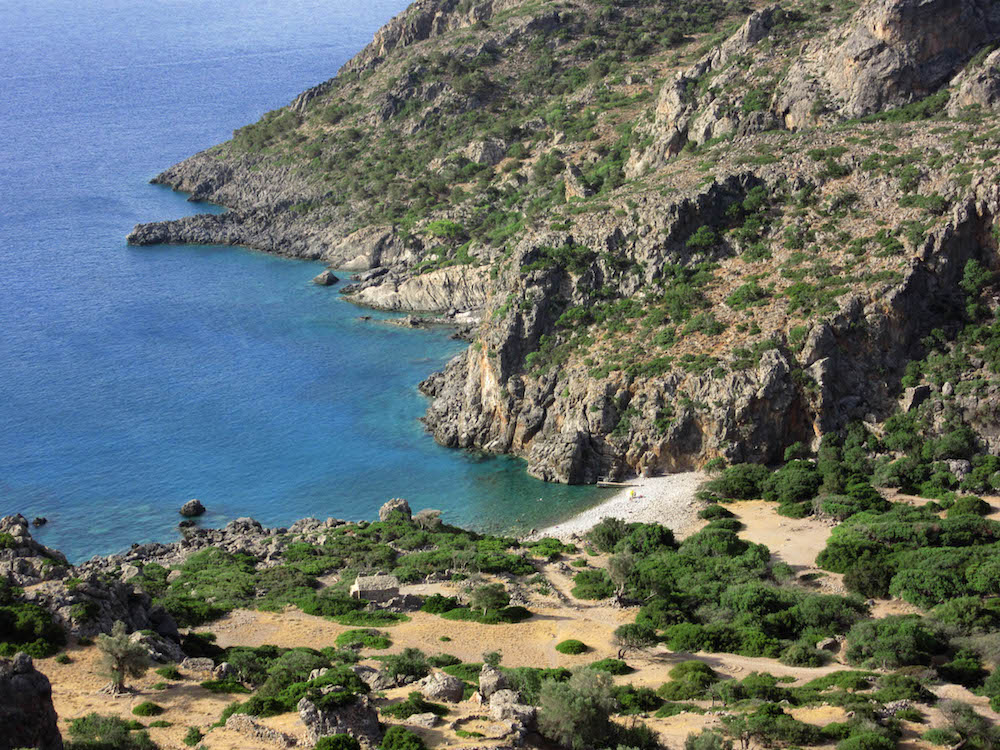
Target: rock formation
[{"x": 27, "y": 717}]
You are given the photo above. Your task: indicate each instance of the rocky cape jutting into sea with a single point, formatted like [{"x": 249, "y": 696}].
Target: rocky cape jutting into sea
[{"x": 716, "y": 230}]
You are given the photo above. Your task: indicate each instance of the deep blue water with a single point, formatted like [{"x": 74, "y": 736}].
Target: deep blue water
[{"x": 131, "y": 379}]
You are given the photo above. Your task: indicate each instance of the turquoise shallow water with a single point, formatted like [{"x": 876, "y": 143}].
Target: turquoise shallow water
[{"x": 134, "y": 379}]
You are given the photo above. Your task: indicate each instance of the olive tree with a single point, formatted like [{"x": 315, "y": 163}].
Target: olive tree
[{"x": 121, "y": 657}]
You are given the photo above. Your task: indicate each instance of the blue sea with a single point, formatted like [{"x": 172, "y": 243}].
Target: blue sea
[{"x": 134, "y": 379}]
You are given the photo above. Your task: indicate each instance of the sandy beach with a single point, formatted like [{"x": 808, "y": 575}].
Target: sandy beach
[{"x": 668, "y": 500}]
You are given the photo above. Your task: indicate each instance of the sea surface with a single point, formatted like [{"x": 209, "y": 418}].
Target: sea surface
[{"x": 132, "y": 380}]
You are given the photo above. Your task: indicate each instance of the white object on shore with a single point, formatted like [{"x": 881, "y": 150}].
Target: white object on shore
[{"x": 668, "y": 500}]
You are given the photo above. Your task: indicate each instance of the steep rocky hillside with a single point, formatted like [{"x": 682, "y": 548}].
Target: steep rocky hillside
[{"x": 691, "y": 230}]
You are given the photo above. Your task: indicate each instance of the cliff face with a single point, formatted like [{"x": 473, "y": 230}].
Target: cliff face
[{"x": 680, "y": 245}]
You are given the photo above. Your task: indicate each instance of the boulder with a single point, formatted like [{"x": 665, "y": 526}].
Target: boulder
[
  {"x": 439, "y": 686},
  {"x": 198, "y": 664},
  {"x": 247, "y": 725},
  {"x": 505, "y": 705},
  {"x": 39, "y": 521},
  {"x": 428, "y": 720},
  {"x": 396, "y": 505},
  {"x": 160, "y": 649},
  {"x": 129, "y": 572},
  {"x": 192, "y": 508},
  {"x": 491, "y": 680},
  {"x": 358, "y": 719},
  {"x": 326, "y": 278},
  {"x": 488, "y": 151},
  {"x": 27, "y": 716},
  {"x": 224, "y": 671},
  {"x": 914, "y": 397},
  {"x": 373, "y": 678}
]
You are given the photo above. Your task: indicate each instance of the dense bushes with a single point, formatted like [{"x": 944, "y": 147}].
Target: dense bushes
[
  {"x": 415, "y": 703},
  {"x": 26, "y": 627},
  {"x": 366, "y": 638},
  {"x": 592, "y": 584},
  {"x": 571, "y": 646},
  {"x": 223, "y": 581},
  {"x": 95, "y": 732},
  {"x": 914, "y": 554},
  {"x": 893, "y": 642}
]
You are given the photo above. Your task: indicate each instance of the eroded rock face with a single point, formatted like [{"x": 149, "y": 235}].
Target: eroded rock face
[
  {"x": 452, "y": 288},
  {"x": 977, "y": 86},
  {"x": 358, "y": 719},
  {"x": 895, "y": 52},
  {"x": 27, "y": 717}
]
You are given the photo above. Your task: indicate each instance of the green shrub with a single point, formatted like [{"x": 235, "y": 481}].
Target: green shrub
[
  {"x": 169, "y": 672},
  {"x": 576, "y": 713},
  {"x": 714, "y": 512},
  {"x": 803, "y": 654},
  {"x": 410, "y": 662},
  {"x": 147, "y": 708},
  {"x": 415, "y": 703},
  {"x": 592, "y": 584},
  {"x": 612, "y": 666},
  {"x": 193, "y": 736},
  {"x": 893, "y": 642},
  {"x": 400, "y": 738},
  {"x": 636, "y": 700},
  {"x": 867, "y": 741},
  {"x": 437, "y": 604},
  {"x": 571, "y": 646},
  {"x": 224, "y": 686},
  {"x": 337, "y": 742},
  {"x": 26, "y": 627},
  {"x": 969, "y": 505},
  {"x": 95, "y": 732},
  {"x": 63, "y": 659},
  {"x": 367, "y": 638},
  {"x": 740, "y": 482},
  {"x": 941, "y": 737}
]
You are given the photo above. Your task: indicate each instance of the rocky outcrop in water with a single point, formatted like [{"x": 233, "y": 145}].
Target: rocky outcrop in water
[{"x": 27, "y": 716}]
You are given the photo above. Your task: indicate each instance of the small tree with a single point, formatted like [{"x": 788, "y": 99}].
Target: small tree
[
  {"x": 621, "y": 568},
  {"x": 633, "y": 636},
  {"x": 121, "y": 658},
  {"x": 428, "y": 519},
  {"x": 577, "y": 713},
  {"x": 488, "y": 597}
]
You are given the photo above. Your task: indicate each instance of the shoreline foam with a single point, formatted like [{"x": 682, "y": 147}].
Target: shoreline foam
[{"x": 668, "y": 500}]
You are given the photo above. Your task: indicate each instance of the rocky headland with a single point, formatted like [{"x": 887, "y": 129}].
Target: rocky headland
[{"x": 714, "y": 234}]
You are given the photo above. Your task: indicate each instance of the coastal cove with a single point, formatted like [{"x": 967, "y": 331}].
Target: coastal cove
[{"x": 132, "y": 380}]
